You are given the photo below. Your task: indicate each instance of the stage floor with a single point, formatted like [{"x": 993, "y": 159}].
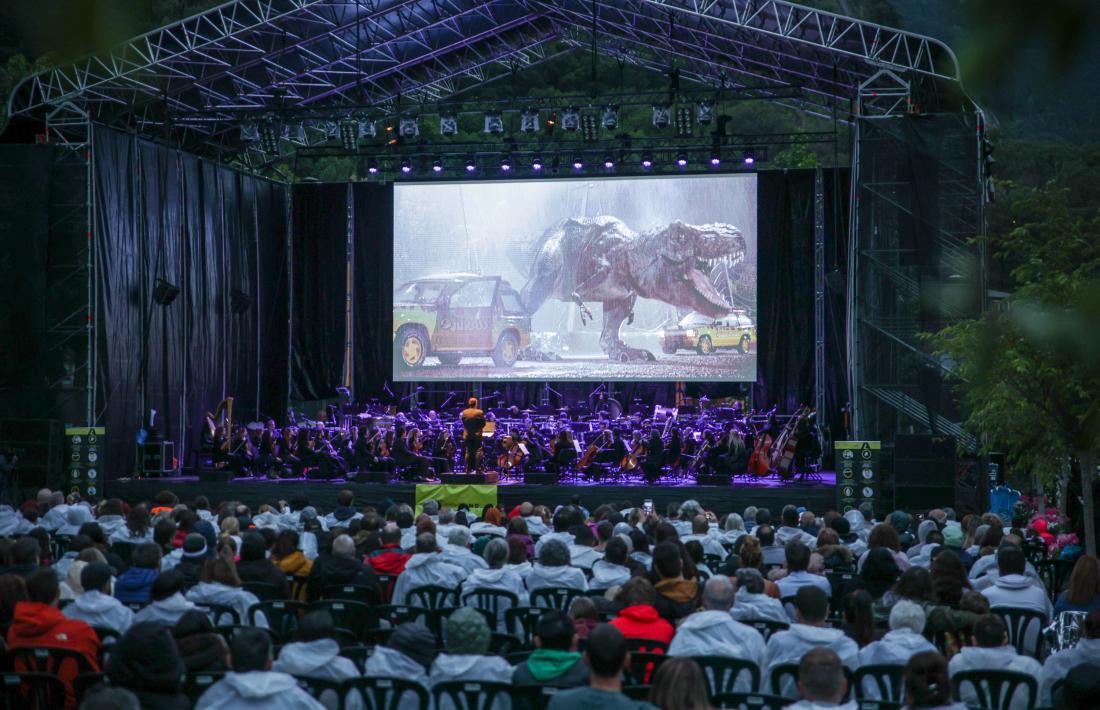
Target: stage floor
[{"x": 819, "y": 495}]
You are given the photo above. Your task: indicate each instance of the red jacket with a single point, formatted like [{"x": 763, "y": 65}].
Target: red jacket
[
  {"x": 43, "y": 625},
  {"x": 389, "y": 560},
  {"x": 643, "y": 622}
]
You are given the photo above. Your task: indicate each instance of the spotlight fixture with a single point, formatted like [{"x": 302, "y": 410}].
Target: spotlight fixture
[
  {"x": 570, "y": 119},
  {"x": 366, "y": 127},
  {"x": 471, "y": 165},
  {"x": 578, "y": 162},
  {"x": 505, "y": 164},
  {"x": 704, "y": 112},
  {"x": 589, "y": 128},
  {"x": 748, "y": 157},
  {"x": 406, "y": 166},
  {"x": 494, "y": 122},
  {"x": 437, "y": 165},
  {"x": 250, "y": 132},
  {"x": 269, "y": 137},
  {"x": 551, "y": 122},
  {"x": 715, "y": 159},
  {"x": 662, "y": 115},
  {"x": 647, "y": 160},
  {"x": 681, "y": 160},
  {"x": 529, "y": 121},
  {"x": 609, "y": 162},
  {"x": 683, "y": 122},
  {"x": 372, "y": 167},
  {"x": 536, "y": 164},
  {"x": 295, "y": 132},
  {"x": 408, "y": 127},
  {"x": 610, "y": 118},
  {"x": 448, "y": 124},
  {"x": 349, "y": 135}
]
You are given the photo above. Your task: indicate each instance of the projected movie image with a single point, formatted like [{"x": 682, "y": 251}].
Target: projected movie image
[{"x": 642, "y": 279}]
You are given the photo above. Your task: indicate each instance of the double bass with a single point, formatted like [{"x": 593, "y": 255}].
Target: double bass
[
  {"x": 760, "y": 458},
  {"x": 787, "y": 444}
]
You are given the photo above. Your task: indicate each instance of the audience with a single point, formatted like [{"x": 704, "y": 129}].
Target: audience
[
  {"x": 810, "y": 631},
  {"x": 201, "y": 647},
  {"x": 612, "y": 569},
  {"x": 316, "y": 654},
  {"x": 821, "y": 682},
  {"x": 554, "y": 662},
  {"x": 1083, "y": 592},
  {"x": 342, "y": 566},
  {"x": 254, "y": 566},
  {"x": 220, "y": 585},
  {"x": 751, "y": 603},
  {"x": 990, "y": 652},
  {"x": 679, "y": 684},
  {"x": 676, "y": 596},
  {"x": 927, "y": 684},
  {"x": 427, "y": 567},
  {"x": 134, "y": 585},
  {"x": 169, "y": 602},
  {"x": 1085, "y": 652},
  {"x": 146, "y": 662},
  {"x": 465, "y": 657},
  {"x": 638, "y": 617},
  {"x": 714, "y": 632},
  {"x": 96, "y": 606},
  {"x": 408, "y": 654},
  {"x": 606, "y": 657},
  {"x": 552, "y": 568},
  {"x": 252, "y": 683}
]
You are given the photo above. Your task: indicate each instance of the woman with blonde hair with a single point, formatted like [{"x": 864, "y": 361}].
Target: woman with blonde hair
[{"x": 679, "y": 684}]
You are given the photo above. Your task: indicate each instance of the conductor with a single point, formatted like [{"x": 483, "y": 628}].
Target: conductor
[{"x": 473, "y": 422}]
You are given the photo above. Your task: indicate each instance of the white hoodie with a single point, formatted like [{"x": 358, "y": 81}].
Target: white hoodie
[
  {"x": 424, "y": 569},
  {"x": 463, "y": 557},
  {"x": 483, "y": 528},
  {"x": 998, "y": 658},
  {"x": 715, "y": 633},
  {"x": 98, "y": 609},
  {"x": 522, "y": 569},
  {"x": 606, "y": 575},
  {"x": 110, "y": 524},
  {"x": 123, "y": 535},
  {"x": 217, "y": 593},
  {"x": 1018, "y": 591},
  {"x": 788, "y": 647},
  {"x": 1087, "y": 651},
  {"x": 894, "y": 649},
  {"x": 491, "y": 669},
  {"x": 565, "y": 537},
  {"x": 319, "y": 659},
  {"x": 711, "y": 542},
  {"x": 55, "y": 518},
  {"x": 584, "y": 556},
  {"x": 542, "y": 576},
  {"x": 757, "y": 607},
  {"x": 76, "y": 516},
  {"x": 263, "y": 690},
  {"x": 858, "y": 524},
  {"x": 12, "y": 522},
  {"x": 167, "y": 611},
  {"x": 504, "y": 580},
  {"x": 387, "y": 662},
  {"x": 786, "y": 534},
  {"x": 535, "y": 526}
]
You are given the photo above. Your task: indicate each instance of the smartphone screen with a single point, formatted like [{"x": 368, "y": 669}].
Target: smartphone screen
[{"x": 647, "y": 506}]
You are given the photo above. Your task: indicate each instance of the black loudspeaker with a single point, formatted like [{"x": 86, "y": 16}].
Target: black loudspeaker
[
  {"x": 39, "y": 443},
  {"x": 479, "y": 478},
  {"x": 924, "y": 472},
  {"x": 540, "y": 478}
]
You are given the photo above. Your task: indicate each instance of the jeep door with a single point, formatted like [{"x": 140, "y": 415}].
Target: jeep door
[{"x": 466, "y": 318}]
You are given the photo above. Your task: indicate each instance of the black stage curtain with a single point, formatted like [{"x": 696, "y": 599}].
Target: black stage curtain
[{"x": 210, "y": 231}]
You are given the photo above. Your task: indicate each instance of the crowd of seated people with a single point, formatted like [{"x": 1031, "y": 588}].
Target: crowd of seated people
[{"x": 170, "y": 604}]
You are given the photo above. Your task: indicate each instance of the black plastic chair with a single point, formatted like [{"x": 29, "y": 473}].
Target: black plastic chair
[
  {"x": 264, "y": 591},
  {"x": 354, "y": 616},
  {"x": 642, "y": 667},
  {"x": 1019, "y": 623},
  {"x": 195, "y": 684},
  {"x": 228, "y": 632},
  {"x": 1054, "y": 573},
  {"x": 785, "y": 672},
  {"x": 554, "y": 597},
  {"x": 316, "y": 687},
  {"x": 298, "y": 586},
  {"x": 43, "y": 659},
  {"x": 357, "y": 654},
  {"x": 996, "y": 689},
  {"x": 84, "y": 682},
  {"x": 30, "y": 690},
  {"x": 723, "y": 672},
  {"x": 501, "y": 644},
  {"x": 385, "y": 586},
  {"x": 533, "y": 697},
  {"x": 432, "y": 596},
  {"x": 385, "y": 693},
  {"x": 218, "y": 613},
  {"x": 750, "y": 701},
  {"x": 521, "y": 621},
  {"x": 767, "y": 628},
  {"x": 470, "y": 695},
  {"x": 282, "y": 616},
  {"x": 494, "y": 601},
  {"x": 888, "y": 680},
  {"x": 352, "y": 592},
  {"x": 123, "y": 550}
]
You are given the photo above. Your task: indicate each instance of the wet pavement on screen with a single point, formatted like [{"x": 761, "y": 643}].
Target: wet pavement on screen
[{"x": 719, "y": 366}]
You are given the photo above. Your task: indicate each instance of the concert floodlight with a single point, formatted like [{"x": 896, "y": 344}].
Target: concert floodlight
[
  {"x": 662, "y": 115},
  {"x": 609, "y": 162},
  {"x": 704, "y": 112},
  {"x": 610, "y": 118},
  {"x": 748, "y": 157},
  {"x": 589, "y": 128},
  {"x": 536, "y": 164},
  {"x": 647, "y": 160},
  {"x": 506, "y": 164},
  {"x": 372, "y": 167},
  {"x": 682, "y": 160},
  {"x": 406, "y": 166},
  {"x": 366, "y": 127},
  {"x": 715, "y": 159},
  {"x": 529, "y": 121},
  {"x": 295, "y": 132},
  {"x": 269, "y": 137},
  {"x": 250, "y": 132},
  {"x": 683, "y": 121},
  {"x": 408, "y": 127},
  {"x": 578, "y": 162},
  {"x": 448, "y": 124},
  {"x": 471, "y": 165},
  {"x": 570, "y": 119},
  {"x": 349, "y": 134},
  {"x": 437, "y": 165},
  {"x": 494, "y": 122}
]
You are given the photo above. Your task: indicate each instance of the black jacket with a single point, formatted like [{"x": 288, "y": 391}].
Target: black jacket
[
  {"x": 264, "y": 570},
  {"x": 328, "y": 570}
]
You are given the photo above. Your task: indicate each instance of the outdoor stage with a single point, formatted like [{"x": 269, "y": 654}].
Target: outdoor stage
[{"x": 815, "y": 495}]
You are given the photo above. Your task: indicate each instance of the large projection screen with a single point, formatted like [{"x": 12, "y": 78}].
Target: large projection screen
[{"x": 648, "y": 278}]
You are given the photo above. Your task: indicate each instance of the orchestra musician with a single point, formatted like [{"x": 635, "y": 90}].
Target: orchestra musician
[
  {"x": 654, "y": 457},
  {"x": 473, "y": 424},
  {"x": 562, "y": 451},
  {"x": 405, "y": 457}
]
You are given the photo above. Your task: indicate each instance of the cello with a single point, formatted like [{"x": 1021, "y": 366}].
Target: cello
[{"x": 760, "y": 458}]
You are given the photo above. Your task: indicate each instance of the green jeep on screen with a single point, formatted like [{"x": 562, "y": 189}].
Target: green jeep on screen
[{"x": 451, "y": 316}]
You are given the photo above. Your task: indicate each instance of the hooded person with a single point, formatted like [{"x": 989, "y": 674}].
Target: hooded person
[
  {"x": 457, "y": 550},
  {"x": 221, "y": 585},
  {"x": 76, "y": 516},
  {"x": 252, "y": 683},
  {"x": 316, "y": 654},
  {"x": 858, "y": 526},
  {"x": 390, "y": 558},
  {"x": 923, "y": 530},
  {"x": 426, "y": 567},
  {"x": 638, "y": 619},
  {"x": 554, "y": 662},
  {"x": 199, "y": 645},
  {"x": 57, "y": 516},
  {"x": 342, "y": 515},
  {"x": 194, "y": 553},
  {"x": 713, "y": 632},
  {"x": 899, "y": 521},
  {"x": 110, "y": 518},
  {"x": 991, "y": 652},
  {"x": 466, "y": 655},
  {"x": 95, "y": 606},
  {"x": 133, "y": 585},
  {"x": 1058, "y": 666},
  {"x": 612, "y": 570},
  {"x": 903, "y": 641},
  {"x": 821, "y": 682},
  {"x": 953, "y": 538},
  {"x": 552, "y": 568},
  {"x": 168, "y": 603},
  {"x": 340, "y": 566},
  {"x": 255, "y": 567},
  {"x": 1014, "y": 587},
  {"x": 676, "y": 596},
  {"x": 811, "y": 630},
  {"x": 798, "y": 576},
  {"x": 562, "y": 521},
  {"x": 408, "y": 654},
  {"x": 137, "y": 529},
  {"x": 751, "y": 603},
  {"x": 708, "y": 537},
  {"x": 536, "y": 526},
  {"x": 845, "y": 530},
  {"x": 789, "y": 531},
  {"x": 145, "y": 661},
  {"x": 583, "y": 552},
  {"x": 496, "y": 576}
]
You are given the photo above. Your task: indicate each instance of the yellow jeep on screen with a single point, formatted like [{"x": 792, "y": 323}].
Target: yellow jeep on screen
[
  {"x": 706, "y": 335},
  {"x": 451, "y": 316}
]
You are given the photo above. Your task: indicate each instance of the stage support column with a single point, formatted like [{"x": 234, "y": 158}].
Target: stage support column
[
  {"x": 289, "y": 198},
  {"x": 819, "y": 303},
  {"x": 855, "y": 360},
  {"x": 349, "y": 292}
]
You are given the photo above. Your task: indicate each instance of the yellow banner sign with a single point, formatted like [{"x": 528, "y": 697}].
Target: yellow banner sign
[{"x": 454, "y": 495}]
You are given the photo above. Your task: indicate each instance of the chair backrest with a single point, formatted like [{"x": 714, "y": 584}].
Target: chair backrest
[
  {"x": 767, "y": 628},
  {"x": 470, "y": 695},
  {"x": 263, "y": 590},
  {"x": 636, "y": 645},
  {"x": 354, "y": 616},
  {"x": 533, "y": 697},
  {"x": 298, "y": 586},
  {"x": 642, "y": 667},
  {"x": 432, "y": 596},
  {"x": 492, "y": 600},
  {"x": 386, "y": 693},
  {"x": 31, "y": 690},
  {"x": 357, "y": 654},
  {"x": 220, "y": 613},
  {"x": 887, "y": 680},
  {"x": 1054, "y": 573},
  {"x": 352, "y": 592},
  {"x": 784, "y": 680},
  {"x": 385, "y": 586},
  {"x": 316, "y": 687},
  {"x": 722, "y": 674},
  {"x": 195, "y": 684},
  {"x": 282, "y": 616},
  {"x": 750, "y": 701},
  {"x": 43, "y": 659},
  {"x": 228, "y": 632},
  {"x": 554, "y": 597},
  {"x": 996, "y": 689},
  {"x": 521, "y": 621},
  {"x": 1023, "y": 625}
]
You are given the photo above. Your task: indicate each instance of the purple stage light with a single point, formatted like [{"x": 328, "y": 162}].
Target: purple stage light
[
  {"x": 536, "y": 164},
  {"x": 578, "y": 164},
  {"x": 715, "y": 160},
  {"x": 681, "y": 161},
  {"x": 749, "y": 160}
]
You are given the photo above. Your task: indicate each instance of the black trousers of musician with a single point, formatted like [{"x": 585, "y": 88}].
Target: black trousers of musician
[
  {"x": 473, "y": 446},
  {"x": 651, "y": 470}
]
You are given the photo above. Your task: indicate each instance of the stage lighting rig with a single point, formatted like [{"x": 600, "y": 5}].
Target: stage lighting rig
[
  {"x": 551, "y": 122},
  {"x": 748, "y": 156},
  {"x": 471, "y": 165},
  {"x": 610, "y": 118},
  {"x": 408, "y": 127},
  {"x": 349, "y": 134},
  {"x": 647, "y": 160},
  {"x": 590, "y": 130},
  {"x": 406, "y": 166},
  {"x": 609, "y": 162},
  {"x": 506, "y": 164},
  {"x": 571, "y": 119},
  {"x": 250, "y": 132},
  {"x": 704, "y": 112},
  {"x": 536, "y": 164},
  {"x": 372, "y": 167},
  {"x": 437, "y": 166},
  {"x": 269, "y": 137},
  {"x": 448, "y": 124},
  {"x": 662, "y": 115},
  {"x": 681, "y": 160},
  {"x": 494, "y": 122},
  {"x": 715, "y": 159},
  {"x": 295, "y": 132},
  {"x": 529, "y": 121},
  {"x": 578, "y": 162},
  {"x": 683, "y": 122},
  {"x": 366, "y": 127}
]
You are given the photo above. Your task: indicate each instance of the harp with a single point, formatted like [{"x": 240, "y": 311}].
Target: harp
[{"x": 226, "y": 405}]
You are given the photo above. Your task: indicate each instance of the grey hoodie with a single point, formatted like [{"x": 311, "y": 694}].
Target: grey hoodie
[
  {"x": 998, "y": 658},
  {"x": 263, "y": 690},
  {"x": 785, "y": 534},
  {"x": 239, "y": 599},
  {"x": 788, "y": 647},
  {"x": 606, "y": 575},
  {"x": 542, "y": 576},
  {"x": 492, "y": 669},
  {"x": 110, "y": 524},
  {"x": 715, "y": 633},
  {"x": 166, "y": 611},
  {"x": 387, "y": 662},
  {"x": 76, "y": 516},
  {"x": 319, "y": 659},
  {"x": 504, "y": 580},
  {"x": 894, "y": 649},
  {"x": 98, "y": 609},
  {"x": 427, "y": 568},
  {"x": 12, "y": 522},
  {"x": 1087, "y": 651},
  {"x": 757, "y": 607}
]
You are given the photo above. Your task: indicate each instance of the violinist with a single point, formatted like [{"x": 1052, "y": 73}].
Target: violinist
[
  {"x": 289, "y": 449},
  {"x": 736, "y": 454},
  {"x": 562, "y": 451},
  {"x": 379, "y": 451},
  {"x": 654, "y": 457},
  {"x": 405, "y": 457}
]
